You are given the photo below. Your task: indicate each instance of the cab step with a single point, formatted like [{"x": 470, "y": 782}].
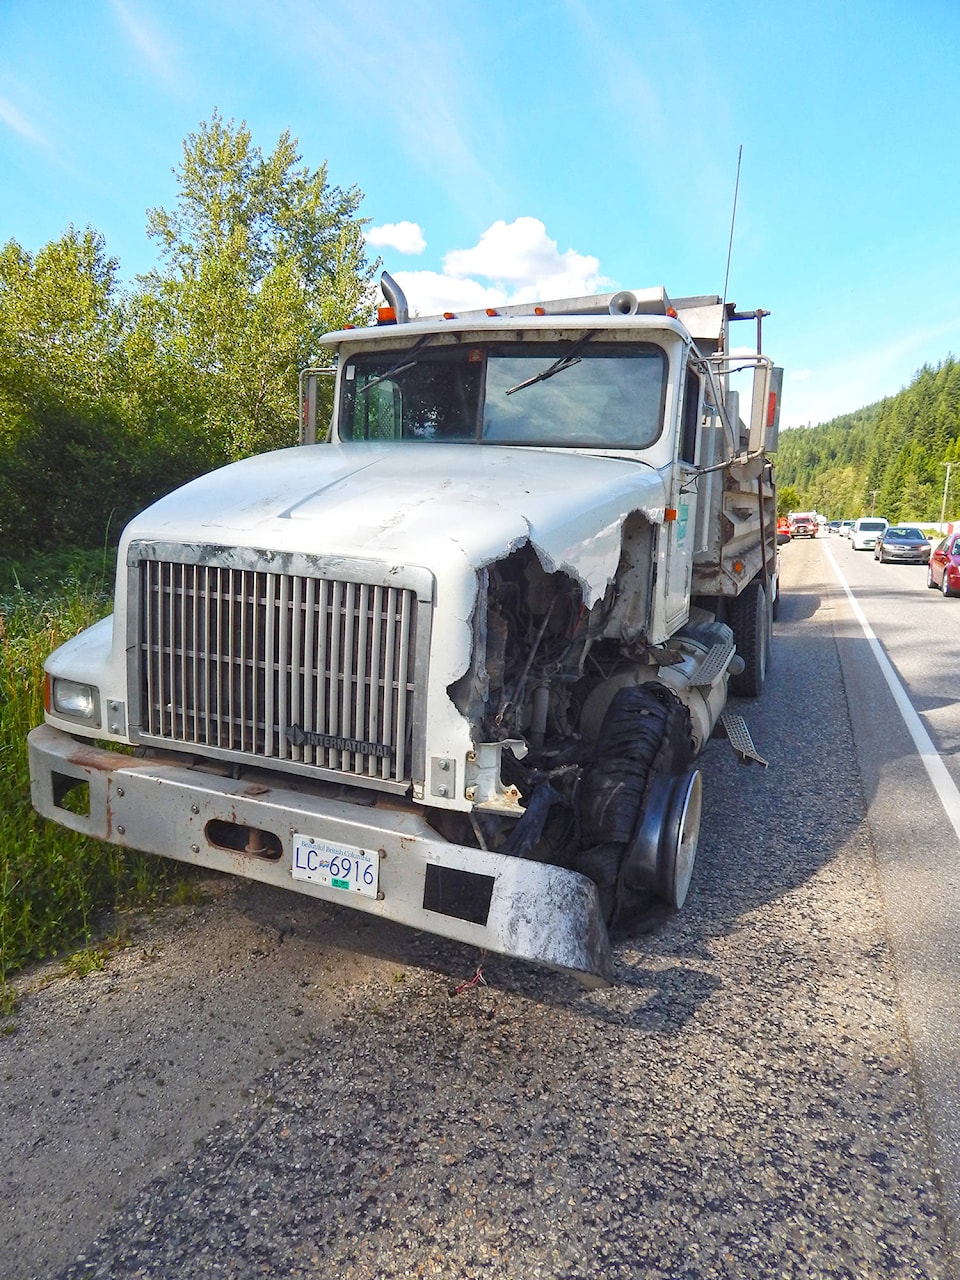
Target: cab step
[
  {"x": 715, "y": 662},
  {"x": 738, "y": 735}
]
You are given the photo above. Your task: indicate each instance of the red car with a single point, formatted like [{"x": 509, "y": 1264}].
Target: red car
[
  {"x": 943, "y": 567},
  {"x": 803, "y": 525}
]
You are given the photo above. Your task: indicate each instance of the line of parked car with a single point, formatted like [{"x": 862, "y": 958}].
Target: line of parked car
[
  {"x": 890, "y": 543},
  {"x": 906, "y": 544}
]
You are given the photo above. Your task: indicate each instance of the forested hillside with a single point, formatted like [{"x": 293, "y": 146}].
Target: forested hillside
[
  {"x": 112, "y": 396},
  {"x": 888, "y": 458}
]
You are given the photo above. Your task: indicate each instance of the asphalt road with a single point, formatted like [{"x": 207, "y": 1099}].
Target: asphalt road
[{"x": 262, "y": 1085}]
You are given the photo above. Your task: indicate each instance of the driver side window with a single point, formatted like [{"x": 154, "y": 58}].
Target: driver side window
[{"x": 690, "y": 420}]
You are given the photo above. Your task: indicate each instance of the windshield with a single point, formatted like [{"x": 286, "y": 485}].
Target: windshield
[
  {"x": 568, "y": 394},
  {"x": 907, "y": 532}
]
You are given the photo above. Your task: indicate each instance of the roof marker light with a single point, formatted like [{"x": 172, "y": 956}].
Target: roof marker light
[
  {"x": 386, "y": 315},
  {"x": 539, "y": 311},
  {"x": 672, "y": 312},
  {"x": 492, "y": 311},
  {"x": 449, "y": 315}
]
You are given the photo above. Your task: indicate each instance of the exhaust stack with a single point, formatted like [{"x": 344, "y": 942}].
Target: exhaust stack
[{"x": 394, "y": 296}]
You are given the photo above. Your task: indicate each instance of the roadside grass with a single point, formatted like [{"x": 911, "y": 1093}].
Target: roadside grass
[{"x": 57, "y": 887}]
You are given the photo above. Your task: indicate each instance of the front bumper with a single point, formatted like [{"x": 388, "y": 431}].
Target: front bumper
[
  {"x": 190, "y": 811},
  {"x": 906, "y": 557}
]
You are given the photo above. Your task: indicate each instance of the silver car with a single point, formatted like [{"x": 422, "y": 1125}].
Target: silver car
[{"x": 903, "y": 542}]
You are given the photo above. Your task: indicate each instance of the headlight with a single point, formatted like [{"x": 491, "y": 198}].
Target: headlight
[{"x": 75, "y": 701}]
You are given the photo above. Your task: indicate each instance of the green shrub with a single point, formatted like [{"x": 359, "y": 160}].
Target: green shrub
[{"x": 54, "y": 883}]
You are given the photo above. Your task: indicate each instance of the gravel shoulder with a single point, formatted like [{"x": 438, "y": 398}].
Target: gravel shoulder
[{"x": 267, "y": 1086}]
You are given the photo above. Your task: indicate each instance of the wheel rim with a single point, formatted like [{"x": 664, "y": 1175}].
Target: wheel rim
[{"x": 678, "y": 850}]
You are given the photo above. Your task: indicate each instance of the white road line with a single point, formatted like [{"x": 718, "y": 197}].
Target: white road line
[{"x": 943, "y": 784}]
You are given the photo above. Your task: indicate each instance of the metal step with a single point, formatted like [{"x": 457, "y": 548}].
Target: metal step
[
  {"x": 738, "y": 735},
  {"x": 715, "y": 662}
]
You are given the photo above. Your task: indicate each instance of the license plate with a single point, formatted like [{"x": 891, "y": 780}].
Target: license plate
[{"x": 337, "y": 866}]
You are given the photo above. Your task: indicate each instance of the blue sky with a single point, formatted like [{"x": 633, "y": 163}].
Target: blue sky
[{"x": 535, "y": 148}]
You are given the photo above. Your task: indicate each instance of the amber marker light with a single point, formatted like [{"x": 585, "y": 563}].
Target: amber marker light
[
  {"x": 670, "y": 513},
  {"x": 386, "y": 315}
]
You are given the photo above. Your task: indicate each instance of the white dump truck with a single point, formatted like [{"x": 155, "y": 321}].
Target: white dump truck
[{"x": 452, "y": 664}]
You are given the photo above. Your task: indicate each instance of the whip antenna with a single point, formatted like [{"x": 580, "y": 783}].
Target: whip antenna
[{"x": 733, "y": 218}]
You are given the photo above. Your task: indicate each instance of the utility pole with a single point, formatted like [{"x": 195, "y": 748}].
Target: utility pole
[
  {"x": 946, "y": 486},
  {"x": 873, "y": 503}
]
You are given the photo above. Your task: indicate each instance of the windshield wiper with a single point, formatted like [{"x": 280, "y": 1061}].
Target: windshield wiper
[
  {"x": 566, "y": 361},
  {"x": 405, "y": 362}
]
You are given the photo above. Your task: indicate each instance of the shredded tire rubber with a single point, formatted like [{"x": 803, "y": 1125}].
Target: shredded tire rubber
[{"x": 645, "y": 732}]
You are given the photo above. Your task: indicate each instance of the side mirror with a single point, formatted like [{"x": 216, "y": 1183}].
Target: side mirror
[
  {"x": 309, "y": 380},
  {"x": 765, "y": 408}
]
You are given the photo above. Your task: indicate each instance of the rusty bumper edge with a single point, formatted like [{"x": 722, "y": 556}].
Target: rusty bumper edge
[{"x": 537, "y": 912}]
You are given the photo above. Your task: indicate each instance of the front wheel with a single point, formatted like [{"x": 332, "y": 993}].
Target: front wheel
[
  {"x": 639, "y": 806},
  {"x": 750, "y": 621}
]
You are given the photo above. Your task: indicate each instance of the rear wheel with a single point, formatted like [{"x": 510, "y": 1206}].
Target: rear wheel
[
  {"x": 750, "y": 620},
  {"x": 945, "y": 585}
]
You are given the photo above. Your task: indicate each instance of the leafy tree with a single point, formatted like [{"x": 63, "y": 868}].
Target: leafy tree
[
  {"x": 261, "y": 257},
  {"x": 787, "y": 499},
  {"x": 60, "y": 321},
  {"x": 64, "y": 455}
]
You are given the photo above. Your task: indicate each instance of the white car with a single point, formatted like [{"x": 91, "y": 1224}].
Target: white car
[{"x": 866, "y": 531}]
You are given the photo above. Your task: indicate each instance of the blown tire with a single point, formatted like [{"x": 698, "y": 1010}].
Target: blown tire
[{"x": 640, "y": 806}]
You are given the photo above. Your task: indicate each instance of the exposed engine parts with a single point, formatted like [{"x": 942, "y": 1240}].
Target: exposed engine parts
[{"x": 606, "y": 781}]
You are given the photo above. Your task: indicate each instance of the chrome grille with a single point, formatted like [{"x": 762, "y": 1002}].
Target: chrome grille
[{"x": 304, "y": 670}]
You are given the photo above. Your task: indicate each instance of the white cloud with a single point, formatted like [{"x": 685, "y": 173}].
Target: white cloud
[
  {"x": 405, "y": 237},
  {"x": 429, "y": 293},
  {"x": 14, "y": 119},
  {"x": 156, "y": 49},
  {"x": 511, "y": 262}
]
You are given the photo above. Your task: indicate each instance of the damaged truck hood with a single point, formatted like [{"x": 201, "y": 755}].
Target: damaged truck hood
[{"x": 419, "y": 504}]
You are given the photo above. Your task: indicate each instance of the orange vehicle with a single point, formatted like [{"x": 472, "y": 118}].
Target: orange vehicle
[{"x": 783, "y": 529}]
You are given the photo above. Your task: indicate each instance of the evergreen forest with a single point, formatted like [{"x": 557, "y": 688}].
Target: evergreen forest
[{"x": 897, "y": 458}]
